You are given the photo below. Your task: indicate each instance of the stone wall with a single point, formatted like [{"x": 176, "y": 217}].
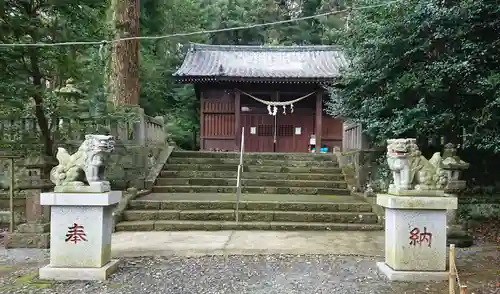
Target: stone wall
[
  {"x": 137, "y": 150},
  {"x": 27, "y": 176},
  {"x": 129, "y": 164},
  {"x": 358, "y": 167},
  {"x": 19, "y": 208},
  {"x": 140, "y": 149}
]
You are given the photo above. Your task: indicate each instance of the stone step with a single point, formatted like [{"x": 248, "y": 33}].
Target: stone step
[
  {"x": 251, "y": 155},
  {"x": 182, "y": 225},
  {"x": 350, "y": 205},
  {"x": 250, "y": 162},
  {"x": 252, "y": 215},
  {"x": 249, "y": 183},
  {"x": 250, "y": 168},
  {"x": 247, "y": 189},
  {"x": 251, "y": 175}
]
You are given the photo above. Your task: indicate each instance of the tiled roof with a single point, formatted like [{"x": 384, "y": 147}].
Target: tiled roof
[{"x": 226, "y": 62}]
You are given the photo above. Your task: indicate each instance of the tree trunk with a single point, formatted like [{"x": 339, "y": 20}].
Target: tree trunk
[
  {"x": 34, "y": 56},
  {"x": 124, "y": 76},
  {"x": 42, "y": 121}
]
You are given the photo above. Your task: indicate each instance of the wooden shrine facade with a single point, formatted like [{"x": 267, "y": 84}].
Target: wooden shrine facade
[{"x": 235, "y": 84}]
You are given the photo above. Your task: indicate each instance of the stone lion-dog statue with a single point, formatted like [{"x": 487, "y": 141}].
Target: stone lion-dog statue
[
  {"x": 86, "y": 165},
  {"x": 411, "y": 170}
]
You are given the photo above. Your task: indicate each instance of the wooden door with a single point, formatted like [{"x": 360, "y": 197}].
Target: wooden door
[
  {"x": 293, "y": 131},
  {"x": 262, "y": 138}
]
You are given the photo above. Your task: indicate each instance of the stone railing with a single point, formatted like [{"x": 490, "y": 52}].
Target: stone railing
[
  {"x": 138, "y": 143},
  {"x": 25, "y": 131},
  {"x": 155, "y": 132}
]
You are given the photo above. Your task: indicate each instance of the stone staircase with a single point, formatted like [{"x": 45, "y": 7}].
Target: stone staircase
[{"x": 196, "y": 191}]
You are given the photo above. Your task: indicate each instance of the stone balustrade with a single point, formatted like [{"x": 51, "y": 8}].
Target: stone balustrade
[
  {"x": 25, "y": 131},
  {"x": 155, "y": 132}
]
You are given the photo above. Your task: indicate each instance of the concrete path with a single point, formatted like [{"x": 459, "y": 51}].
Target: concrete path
[{"x": 197, "y": 243}]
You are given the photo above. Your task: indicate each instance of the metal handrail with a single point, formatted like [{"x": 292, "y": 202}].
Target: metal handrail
[{"x": 238, "y": 177}]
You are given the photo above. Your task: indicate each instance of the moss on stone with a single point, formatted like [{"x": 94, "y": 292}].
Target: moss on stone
[
  {"x": 252, "y": 225},
  {"x": 31, "y": 280},
  {"x": 253, "y": 190},
  {"x": 6, "y": 267},
  {"x": 114, "y": 285},
  {"x": 256, "y": 156},
  {"x": 254, "y": 162}
]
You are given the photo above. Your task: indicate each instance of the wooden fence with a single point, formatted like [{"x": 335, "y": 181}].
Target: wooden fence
[
  {"x": 353, "y": 138},
  {"x": 454, "y": 278}
]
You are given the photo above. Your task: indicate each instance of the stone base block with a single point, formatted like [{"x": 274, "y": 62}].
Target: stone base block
[
  {"x": 33, "y": 228},
  {"x": 80, "y": 199},
  {"x": 455, "y": 186},
  {"x": 79, "y": 274},
  {"x": 415, "y": 232},
  {"x": 415, "y": 192},
  {"x": 93, "y": 187},
  {"x": 417, "y": 203},
  {"x": 28, "y": 240},
  {"x": 411, "y": 276}
]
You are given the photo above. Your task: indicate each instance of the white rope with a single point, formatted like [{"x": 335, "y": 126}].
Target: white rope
[
  {"x": 251, "y": 26},
  {"x": 272, "y": 106},
  {"x": 277, "y": 103}
]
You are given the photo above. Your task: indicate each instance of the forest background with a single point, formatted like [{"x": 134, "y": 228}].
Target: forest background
[{"x": 423, "y": 68}]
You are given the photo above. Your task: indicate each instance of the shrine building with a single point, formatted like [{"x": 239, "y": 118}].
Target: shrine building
[{"x": 276, "y": 93}]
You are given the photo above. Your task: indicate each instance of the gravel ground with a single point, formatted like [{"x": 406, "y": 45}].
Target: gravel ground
[{"x": 282, "y": 274}]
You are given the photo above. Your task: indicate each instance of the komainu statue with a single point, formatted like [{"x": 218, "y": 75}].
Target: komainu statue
[
  {"x": 411, "y": 170},
  {"x": 398, "y": 159},
  {"x": 86, "y": 166}
]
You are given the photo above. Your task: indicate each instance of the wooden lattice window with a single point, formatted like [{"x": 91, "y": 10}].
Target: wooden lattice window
[
  {"x": 285, "y": 130},
  {"x": 265, "y": 130}
]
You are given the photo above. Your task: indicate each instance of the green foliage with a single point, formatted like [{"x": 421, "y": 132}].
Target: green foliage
[
  {"x": 183, "y": 124},
  {"x": 423, "y": 69},
  {"x": 30, "y": 76},
  {"x": 160, "y": 59},
  {"x": 426, "y": 69},
  {"x": 383, "y": 176},
  {"x": 234, "y": 13}
]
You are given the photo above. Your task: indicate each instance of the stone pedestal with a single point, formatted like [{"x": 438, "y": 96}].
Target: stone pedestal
[
  {"x": 80, "y": 235},
  {"x": 415, "y": 237}
]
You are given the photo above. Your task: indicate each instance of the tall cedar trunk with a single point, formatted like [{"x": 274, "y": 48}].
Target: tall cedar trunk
[{"x": 124, "y": 76}]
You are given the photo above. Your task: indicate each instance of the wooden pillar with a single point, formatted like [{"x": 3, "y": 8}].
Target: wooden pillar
[
  {"x": 276, "y": 97},
  {"x": 319, "y": 119},
  {"x": 237, "y": 119},
  {"x": 202, "y": 121}
]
